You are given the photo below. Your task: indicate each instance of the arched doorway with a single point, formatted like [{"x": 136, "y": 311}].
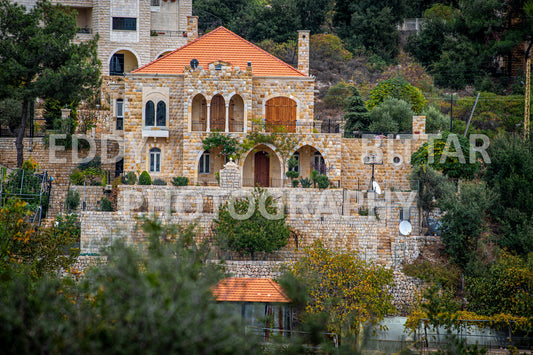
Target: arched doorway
[
  {"x": 218, "y": 113},
  {"x": 199, "y": 114},
  {"x": 309, "y": 159},
  {"x": 280, "y": 114},
  {"x": 261, "y": 169}
]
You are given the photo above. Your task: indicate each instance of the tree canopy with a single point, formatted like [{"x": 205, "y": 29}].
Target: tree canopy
[{"x": 38, "y": 58}]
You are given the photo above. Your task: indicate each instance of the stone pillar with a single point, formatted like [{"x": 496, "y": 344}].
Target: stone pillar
[
  {"x": 192, "y": 28},
  {"x": 303, "y": 51},
  {"x": 226, "y": 126},
  {"x": 230, "y": 176},
  {"x": 208, "y": 128}
]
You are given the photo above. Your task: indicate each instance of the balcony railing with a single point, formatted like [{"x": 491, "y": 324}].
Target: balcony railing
[{"x": 168, "y": 33}]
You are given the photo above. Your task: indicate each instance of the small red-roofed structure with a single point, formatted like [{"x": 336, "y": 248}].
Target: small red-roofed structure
[{"x": 262, "y": 303}]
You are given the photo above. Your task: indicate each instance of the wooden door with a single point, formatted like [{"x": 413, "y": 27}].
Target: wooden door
[
  {"x": 262, "y": 169},
  {"x": 218, "y": 113}
]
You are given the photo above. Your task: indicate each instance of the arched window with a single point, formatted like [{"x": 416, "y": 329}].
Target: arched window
[
  {"x": 155, "y": 160},
  {"x": 203, "y": 165},
  {"x": 149, "y": 113},
  {"x": 161, "y": 114}
]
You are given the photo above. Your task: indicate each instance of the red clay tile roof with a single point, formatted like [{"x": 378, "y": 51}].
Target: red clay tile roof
[
  {"x": 220, "y": 45},
  {"x": 235, "y": 289}
]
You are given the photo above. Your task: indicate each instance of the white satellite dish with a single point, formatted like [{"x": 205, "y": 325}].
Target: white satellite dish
[
  {"x": 376, "y": 188},
  {"x": 405, "y": 228}
]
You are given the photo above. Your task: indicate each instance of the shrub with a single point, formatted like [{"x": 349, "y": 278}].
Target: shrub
[
  {"x": 159, "y": 182},
  {"x": 130, "y": 178},
  {"x": 116, "y": 181},
  {"x": 106, "y": 205},
  {"x": 292, "y": 174},
  {"x": 145, "y": 179},
  {"x": 306, "y": 183},
  {"x": 322, "y": 181},
  {"x": 180, "y": 181},
  {"x": 73, "y": 200},
  {"x": 295, "y": 183},
  {"x": 77, "y": 177}
]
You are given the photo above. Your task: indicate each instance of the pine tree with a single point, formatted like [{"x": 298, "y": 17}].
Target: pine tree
[{"x": 357, "y": 115}]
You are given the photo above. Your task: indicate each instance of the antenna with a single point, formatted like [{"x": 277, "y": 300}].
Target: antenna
[
  {"x": 405, "y": 228},
  {"x": 194, "y": 63}
]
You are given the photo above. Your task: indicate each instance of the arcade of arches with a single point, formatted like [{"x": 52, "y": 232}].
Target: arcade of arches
[{"x": 217, "y": 115}]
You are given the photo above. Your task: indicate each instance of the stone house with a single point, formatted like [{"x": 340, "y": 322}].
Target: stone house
[{"x": 221, "y": 82}]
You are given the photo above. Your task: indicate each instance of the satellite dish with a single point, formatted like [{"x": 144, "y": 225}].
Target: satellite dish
[
  {"x": 376, "y": 188},
  {"x": 194, "y": 63},
  {"x": 405, "y": 228}
]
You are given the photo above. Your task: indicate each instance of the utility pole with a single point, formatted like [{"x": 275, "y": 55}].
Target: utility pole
[{"x": 527, "y": 101}]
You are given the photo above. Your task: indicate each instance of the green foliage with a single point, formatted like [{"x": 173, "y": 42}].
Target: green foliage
[
  {"x": 447, "y": 277},
  {"x": 505, "y": 288},
  {"x": 464, "y": 220},
  {"x": 347, "y": 290},
  {"x": 25, "y": 184},
  {"x": 39, "y": 58},
  {"x": 305, "y": 182},
  {"x": 72, "y": 200},
  {"x": 130, "y": 178},
  {"x": 432, "y": 186},
  {"x": 435, "y": 121},
  {"x": 449, "y": 154},
  {"x": 329, "y": 47},
  {"x": 356, "y": 115},
  {"x": 10, "y": 113},
  {"x": 180, "y": 181},
  {"x": 138, "y": 294},
  {"x": 397, "y": 88},
  {"x": 370, "y": 26},
  {"x": 252, "y": 232},
  {"x": 292, "y": 174},
  {"x": 145, "y": 179},
  {"x": 106, "y": 205},
  {"x": 90, "y": 173},
  {"x": 295, "y": 183},
  {"x": 338, "y": 95},
  {"x": 322, "y": 182},
  {"x": 39, "y": 250},
  {"x": 229, "y": 146},
  {"x": 510, "y": 175},
  {"x": 391, "y": 116},
  {"x": 159, "y": 182}
]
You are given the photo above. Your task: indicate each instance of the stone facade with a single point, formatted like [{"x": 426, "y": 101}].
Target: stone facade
[{"x": 158, "y": 29}]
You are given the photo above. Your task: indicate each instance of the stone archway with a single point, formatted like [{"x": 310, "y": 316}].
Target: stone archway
[
  {"x": 262, "y": 166},
  {"x": 121, "y": 62}
]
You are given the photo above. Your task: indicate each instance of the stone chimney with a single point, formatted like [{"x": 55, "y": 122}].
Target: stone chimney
[
  {"x": 192, "y": 28},
  {"x": 303, "y": 51},
  {"x": 419, "y": 126}
]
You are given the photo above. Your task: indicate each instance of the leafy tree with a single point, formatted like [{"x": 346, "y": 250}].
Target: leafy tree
[
  {"x": 38, "y": 58},
  {"x": 449, "y": 154},
  {"x": 41, "y": 250},
  {"x": 510, "y": 175},
  {"x": 432, "y": 186},
  {"x": 397, "y": 88},
  {"x": 160, "y": 297},
  {"x": 391, "y": 116},
  {"x": 328, "y": 47},
  {"x": 370, "y": 26},
  {"x": 464, "y": 219},
  {"x": 340, "y": 285},
  {"x": 10, "y": 112},
  {"x": 506, "y": 288},
  {"x": 338, "y": 94},
  {"x": 252, "y": 232},
  {"x": 356, "y": 115},
  {"x": 435, "y": 121}
]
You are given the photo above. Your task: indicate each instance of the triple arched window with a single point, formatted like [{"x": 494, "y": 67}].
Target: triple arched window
[{"x": 155, "y": 115}]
